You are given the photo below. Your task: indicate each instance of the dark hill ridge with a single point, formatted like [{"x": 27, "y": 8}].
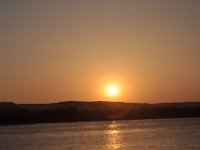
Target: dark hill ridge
[
  {"x": 97, "y": 105},
  {"x": 9, "y": 106},
  {"x": 11, "y": 113}
]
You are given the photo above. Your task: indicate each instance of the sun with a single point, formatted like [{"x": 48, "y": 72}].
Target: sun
[{"x": 112, "y": 90}]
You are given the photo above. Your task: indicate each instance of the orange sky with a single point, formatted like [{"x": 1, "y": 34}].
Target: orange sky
[{"x": 54, "y": 51}]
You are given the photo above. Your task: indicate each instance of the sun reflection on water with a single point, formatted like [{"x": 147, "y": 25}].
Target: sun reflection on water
[{"x": 113, "y": 137}]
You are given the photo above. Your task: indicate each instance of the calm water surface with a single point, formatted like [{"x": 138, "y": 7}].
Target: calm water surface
[{"x": 163, "y": 134}]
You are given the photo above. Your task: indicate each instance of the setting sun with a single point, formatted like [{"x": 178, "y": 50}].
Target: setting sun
[{"x": 112, "y": 90}]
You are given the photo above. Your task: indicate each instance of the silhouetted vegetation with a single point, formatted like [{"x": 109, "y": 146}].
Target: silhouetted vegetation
[{"x": 11, "y": 113}]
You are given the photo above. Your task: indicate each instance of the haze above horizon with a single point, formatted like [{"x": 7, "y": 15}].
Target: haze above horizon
[{"x": 52, "y": 51}]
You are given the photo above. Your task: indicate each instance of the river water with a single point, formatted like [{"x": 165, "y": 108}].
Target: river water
[{"x": 161, "y": 134}]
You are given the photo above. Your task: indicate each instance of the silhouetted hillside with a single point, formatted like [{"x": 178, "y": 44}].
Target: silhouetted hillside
[
  {"x": 9, "y": 106},
  {"x": 11, "y": 113}
]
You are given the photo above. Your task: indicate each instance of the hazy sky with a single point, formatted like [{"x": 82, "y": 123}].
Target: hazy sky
[{"x": 58, "y": 50}]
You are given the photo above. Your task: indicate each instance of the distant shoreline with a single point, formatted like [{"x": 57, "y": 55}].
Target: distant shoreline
[
  {"x": 77, "y": 111},
  {"x": 36, "y": 123}
]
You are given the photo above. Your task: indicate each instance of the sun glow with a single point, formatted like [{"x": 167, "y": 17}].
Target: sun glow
[{"x": 112, "y": 90}]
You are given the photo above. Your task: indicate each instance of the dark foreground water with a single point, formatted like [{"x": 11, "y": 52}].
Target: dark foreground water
[{"x": 163, "y": 134}]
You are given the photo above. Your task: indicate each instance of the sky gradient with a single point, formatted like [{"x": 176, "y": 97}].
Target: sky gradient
[{"x": 60, "y": 50}]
